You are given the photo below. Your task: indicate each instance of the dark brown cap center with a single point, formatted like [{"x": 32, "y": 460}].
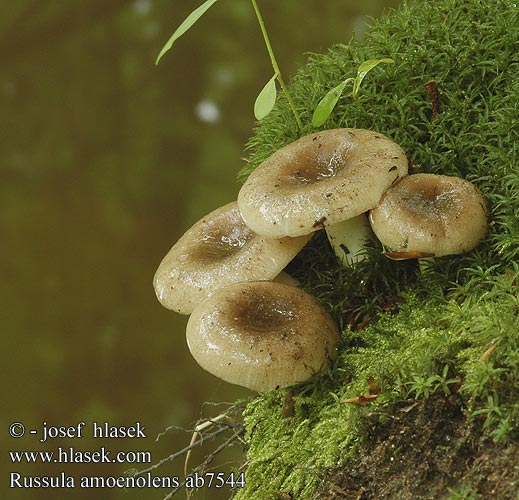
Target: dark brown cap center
[
  {"x": 220, "y": 242},
  {"x": 261, "y": 312}
]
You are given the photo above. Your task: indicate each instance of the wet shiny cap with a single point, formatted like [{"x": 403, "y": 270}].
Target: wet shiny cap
[
  {"x": 217, "y": 251},
  {"x": 428, "y": 213},
  {"x": 319, "y": 180},
  {"x": 262, "y": 335}
]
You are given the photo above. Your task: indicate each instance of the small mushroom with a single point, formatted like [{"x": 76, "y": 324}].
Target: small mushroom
[
  {"x": 217, "y": 251},
  {"x": 262, "y": 335},
  {"x": 430, "y": 215},
  {"x": 319, "y": 180}
]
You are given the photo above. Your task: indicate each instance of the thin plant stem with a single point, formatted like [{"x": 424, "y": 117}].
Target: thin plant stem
[{"x": 273, "y": 60}]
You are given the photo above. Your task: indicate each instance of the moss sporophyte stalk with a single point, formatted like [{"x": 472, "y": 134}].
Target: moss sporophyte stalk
[{"x": 448, "y": 330}]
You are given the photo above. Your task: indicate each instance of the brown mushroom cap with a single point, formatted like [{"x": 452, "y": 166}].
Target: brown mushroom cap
[
  {"x": 262, "y": 335},
  {"x": 217, "y": 251},
  {"x": 430, "y": 213},
  {"x": 320, "y": 179}
]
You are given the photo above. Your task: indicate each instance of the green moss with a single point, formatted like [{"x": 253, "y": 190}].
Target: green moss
[
  {"x": 451, "y": 327},
  {"x": 489, "y": 324}
]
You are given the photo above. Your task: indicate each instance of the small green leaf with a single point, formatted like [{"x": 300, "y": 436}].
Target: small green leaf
[
  {"x": 188, "y": 22},
  {"x": 327, "y": 104},
  {"x": 266, "y": 99},
  {"x": 364, "y": 69}
]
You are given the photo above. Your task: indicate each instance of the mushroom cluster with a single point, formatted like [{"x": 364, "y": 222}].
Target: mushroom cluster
[
  {"x": 247, "y": 325},
  {"x": 250, "y": 324}
]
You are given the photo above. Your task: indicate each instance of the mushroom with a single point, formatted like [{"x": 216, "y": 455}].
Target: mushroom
[
  {"x": 262, "y": 335},
  {"x": 430, "y": 215},
  {"x": 320, "y": 180},
  {"x": 217, "y": 251}
]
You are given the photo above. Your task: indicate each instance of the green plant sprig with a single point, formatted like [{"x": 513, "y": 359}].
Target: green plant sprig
[
  {"x": 329, "y": 101},
  {"x": 188, "y": 22},
  {"x": 267, "y": 97}
]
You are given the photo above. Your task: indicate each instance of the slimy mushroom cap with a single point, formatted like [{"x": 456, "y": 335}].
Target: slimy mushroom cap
[
  {"x": 217, "y": 251},
  {"x": 430, "y": 213},
  {"x": 319, "y": 180},
  {"x": 262, "y": 335}
]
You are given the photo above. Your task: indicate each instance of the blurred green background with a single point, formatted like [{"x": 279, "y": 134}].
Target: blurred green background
[{"x": 105, "y": 160}]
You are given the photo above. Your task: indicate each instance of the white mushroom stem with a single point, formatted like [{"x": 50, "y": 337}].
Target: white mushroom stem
[{"x": 348, "y": 239}]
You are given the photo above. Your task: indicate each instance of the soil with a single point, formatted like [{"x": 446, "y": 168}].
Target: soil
[{"x": 429, "y": 451}]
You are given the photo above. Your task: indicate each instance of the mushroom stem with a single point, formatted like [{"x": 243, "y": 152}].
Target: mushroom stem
[{"x": 348, "y": 239}]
